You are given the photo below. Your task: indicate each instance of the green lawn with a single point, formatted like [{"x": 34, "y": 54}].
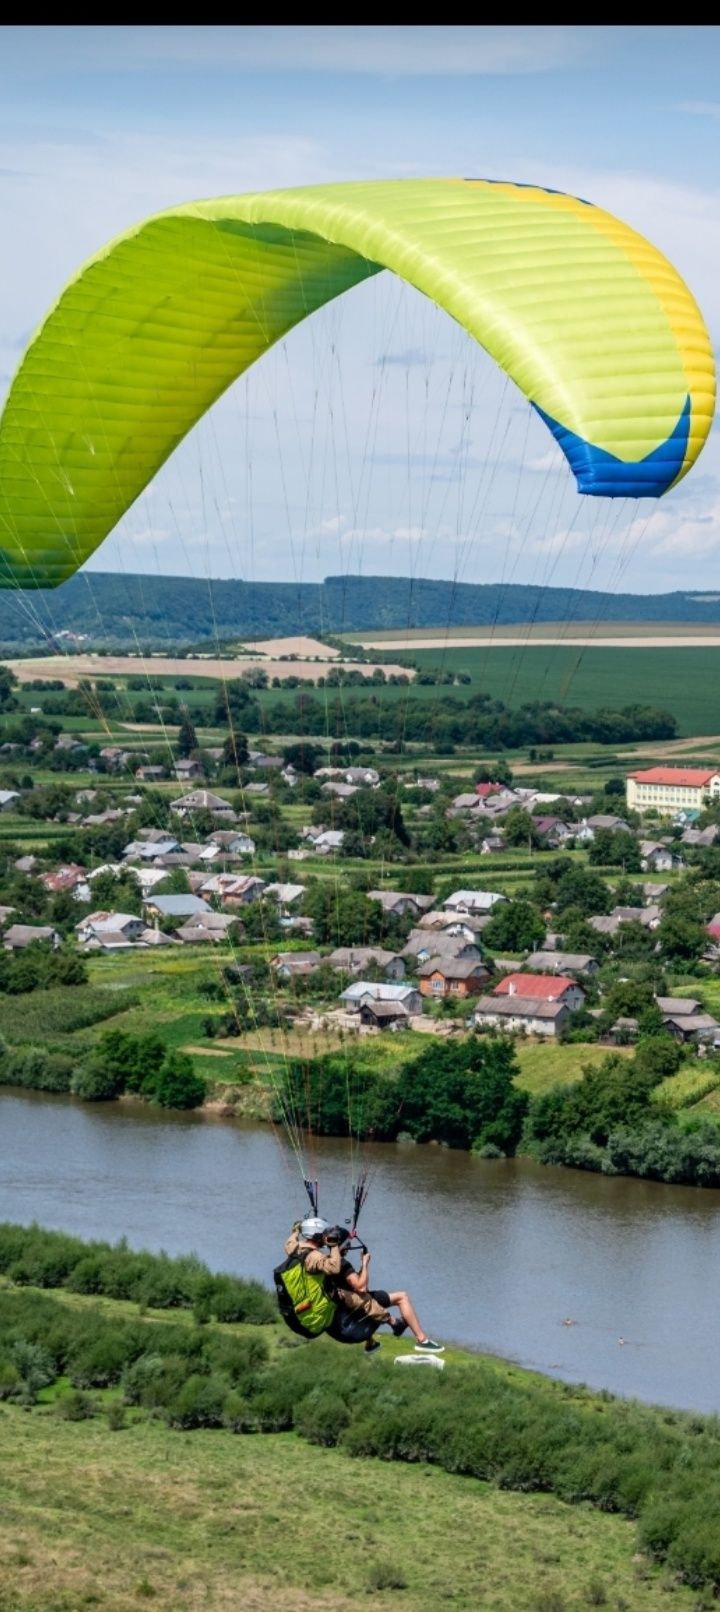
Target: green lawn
[
  {"x": 544, "y": 1066},
  {"x": 218, "y": 1521}
]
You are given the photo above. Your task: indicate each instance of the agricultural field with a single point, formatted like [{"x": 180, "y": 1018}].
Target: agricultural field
[{"x": 589, "y": 677}]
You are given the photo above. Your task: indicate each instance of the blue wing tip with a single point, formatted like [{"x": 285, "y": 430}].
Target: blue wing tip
[{"x": 602, "y": 475}]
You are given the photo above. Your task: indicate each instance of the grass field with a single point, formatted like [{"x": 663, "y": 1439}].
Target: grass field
[
  {"x": 542, "y": 1067},
  {"x": 146, "y": 1516}
]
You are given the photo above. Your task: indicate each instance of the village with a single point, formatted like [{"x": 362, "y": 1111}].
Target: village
[{"x": 275, "y": 874}]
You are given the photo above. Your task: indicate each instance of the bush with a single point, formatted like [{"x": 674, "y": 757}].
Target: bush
[
  {"x": 31, "y": 1256},
  {"x": 199, "y": 1403},
  {"x": 322, "y": 1418},
  {"x": 76, "y": 1407},
  {"x": 176, "y": 1085}
]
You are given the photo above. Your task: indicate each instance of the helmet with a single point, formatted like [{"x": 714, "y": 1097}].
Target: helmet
[{"x": 313, "y": 1227}]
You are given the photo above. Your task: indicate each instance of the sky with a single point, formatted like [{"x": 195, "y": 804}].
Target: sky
[{"x": 377, "y": 437}]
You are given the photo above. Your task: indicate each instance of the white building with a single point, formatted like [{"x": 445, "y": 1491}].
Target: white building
[
  {"x": 364, "y": 992},
  {"x": 472, "y": 901},
  {"x": 668, "y": 789},
  {"x": 521, "y": 1015}
]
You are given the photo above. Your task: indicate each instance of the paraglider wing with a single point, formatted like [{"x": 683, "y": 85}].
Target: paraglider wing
[{"x": 591, "y": 321}]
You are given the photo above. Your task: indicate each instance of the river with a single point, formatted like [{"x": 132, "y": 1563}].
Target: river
[{"x": 497, "y": 1255}]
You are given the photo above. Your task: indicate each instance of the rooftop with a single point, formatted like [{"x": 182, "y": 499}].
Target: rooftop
[
  {"x": 684, "y": 777},
  {"x": 533, "y": 986},
  {"x": 523, "y": 1007}
]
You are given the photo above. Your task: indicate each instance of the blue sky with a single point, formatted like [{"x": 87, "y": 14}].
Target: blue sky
[{"x": 378, "y": 437}]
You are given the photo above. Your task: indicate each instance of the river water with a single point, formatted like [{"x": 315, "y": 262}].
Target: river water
[{"x": 497, "y": 1255}]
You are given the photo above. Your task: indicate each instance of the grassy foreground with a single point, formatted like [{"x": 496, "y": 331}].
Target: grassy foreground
[{"x": 147, "y": 1516}]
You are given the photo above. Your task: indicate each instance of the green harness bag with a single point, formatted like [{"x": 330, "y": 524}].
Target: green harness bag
[{"x": 303, "y": 1299}]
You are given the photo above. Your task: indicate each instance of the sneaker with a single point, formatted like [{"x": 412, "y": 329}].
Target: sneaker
[
  {"x": 430, "y": 1347},
  {"x": 372, "y": 1344},
  {"x": 399, "y": 1327}
]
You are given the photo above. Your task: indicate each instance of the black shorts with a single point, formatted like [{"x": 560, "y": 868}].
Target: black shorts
[{"x": 380, "y": 1296}]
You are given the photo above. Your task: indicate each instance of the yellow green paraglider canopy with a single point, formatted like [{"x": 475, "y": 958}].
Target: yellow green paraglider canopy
[{"x": 587, "y": 317}]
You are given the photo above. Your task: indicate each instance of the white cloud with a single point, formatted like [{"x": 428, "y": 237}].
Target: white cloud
[{"x": 700, "y": 109}]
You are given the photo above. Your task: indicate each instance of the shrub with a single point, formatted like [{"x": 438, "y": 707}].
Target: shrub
[
  {"x": 76, "y": 1407},
  {"x": 199, "y": 1403}
]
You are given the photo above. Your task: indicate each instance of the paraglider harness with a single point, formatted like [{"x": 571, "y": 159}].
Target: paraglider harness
[{"x": 306, "y": 1302}]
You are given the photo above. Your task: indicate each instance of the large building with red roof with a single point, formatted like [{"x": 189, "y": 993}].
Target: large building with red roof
[{"x": 668, "y": 790}]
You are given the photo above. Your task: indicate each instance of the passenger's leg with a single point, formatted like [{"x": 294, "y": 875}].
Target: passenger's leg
[{"x": 409, "y": 1314}]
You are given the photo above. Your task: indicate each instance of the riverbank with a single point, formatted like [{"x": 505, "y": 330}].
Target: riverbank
[
  {"x": 625, "y": 1259},
  {"x": 141, "y": 1473}
]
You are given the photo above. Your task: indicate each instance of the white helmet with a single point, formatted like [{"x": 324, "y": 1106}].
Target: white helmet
[{"x": 313, "y": 1227}]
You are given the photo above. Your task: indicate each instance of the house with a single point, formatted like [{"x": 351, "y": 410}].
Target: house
[
  {"x": 150, "y": 775},
  {"x": 288, "y": 965},
  {"x": 206, "y": 926},
  {"x": 660, "y": 858},
  {"x": 454, "y": 923},
  {"x": 286, "y": 895},
  {"x": 8, "y": 799},
  {"x": 127, "y": 927},
  {"x": 342, "y": 791},
  {"x": 671, "y": 1006},
  {"x": 608, "y": 821},
  {"x": 464, "y": 803},
  {"x": 552, "y": 830},
  {"x": 453, "y": 976},
  {"x": 233, "y": 842},
  {"x": 397, "y": 903},
  {"x": 186, "y": 769},
  {"x": 115, "y": 757},
  {"x": 431, "y": 784},
  {"x": 385, "y": 1016},
  {"x": 233, "y": 889},
  {"x": 699, "y": 1027},
  {"x": 492, "y": 844},
  {"x": 532, "y": 987},
  {"x": 202, "y": 800},
  {"x": 521, "y": 1015},
  {"x": 472, "y": 901},
  {"x": 259, "y": 758},
  {"x": 5, "y": 913},
  {"x": 609, "y": 923},
  {"x": 147, "y": 878},
  {"x": 329, "y": 841},
  {"x": 257, "y": 789},
  {"x": 364, "y": 991},
  {"x": 65, "y": 741},
  {"x": 655, "y": 892},
  {"x": 25, "y": 864},
  {"x": 18, "y": 936},
  {"x": 150, "y": 850},
  {"x": 356, "y": 959},
  {"x": 362, "y": 777},
  {"x": 112, "y": 814},
  {"x": 667, "y": 790},
  {"x": 424, "y": 944},
  {"x": 700, "y": 837},
  {"x": 560, "y": 963},
  {"x": 71, "y": 878},
  {"x": 624, "y": 1031},
  {"x": 175, "y": 906}
]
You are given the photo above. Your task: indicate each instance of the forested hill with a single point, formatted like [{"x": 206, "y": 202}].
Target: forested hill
[{"x": 119, "y": 609}]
